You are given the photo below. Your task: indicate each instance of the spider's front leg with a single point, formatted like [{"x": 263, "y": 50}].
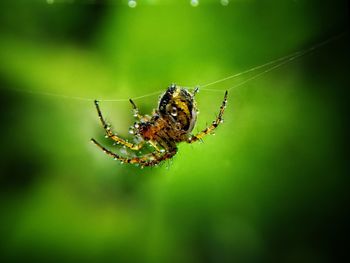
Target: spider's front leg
[
  {"x": 213, "y": 126},
  {"x": 112, "y": 135},
  {"x": 135, "y": 110},
  {"x": 150, "y": 159}
]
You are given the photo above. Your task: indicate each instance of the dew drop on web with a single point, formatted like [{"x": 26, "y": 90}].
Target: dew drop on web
[
  {"x": 132, "y": 3},
  {"x": 194, "y": 2},
  {"x": 224, "y": 2}
]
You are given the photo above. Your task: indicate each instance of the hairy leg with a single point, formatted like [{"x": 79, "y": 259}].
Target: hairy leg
[
  {"x": 214, "y": 124},
  {"x": 112, "y": 135},
  {"x": 151, "y": 159}
]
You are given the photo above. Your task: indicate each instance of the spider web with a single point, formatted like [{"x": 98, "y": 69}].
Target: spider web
[{"x": 266, "y": 68}]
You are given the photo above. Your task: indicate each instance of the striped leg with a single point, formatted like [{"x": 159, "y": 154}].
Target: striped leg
[
  {"x": 112, "y": 135},
  {"x": 213, "y": 126},
  {"x": 151, "y": 159},
  {"x": 136, "y": 110}
]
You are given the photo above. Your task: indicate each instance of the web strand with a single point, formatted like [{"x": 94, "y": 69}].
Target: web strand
[
  {"x": 136, "y": 98},
  {"x": 280, "y": 62},
  {"x": 50, "y": 94},
  {"x": 277, "y": 63}
]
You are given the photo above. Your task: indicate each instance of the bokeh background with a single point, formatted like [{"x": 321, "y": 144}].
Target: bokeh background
[{"x": 271, "y": 186}]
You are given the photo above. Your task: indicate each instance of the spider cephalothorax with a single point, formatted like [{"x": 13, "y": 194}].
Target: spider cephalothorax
[{"x": 171, "y": 123}]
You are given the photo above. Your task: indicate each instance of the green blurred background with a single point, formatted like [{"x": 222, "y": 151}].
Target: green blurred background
[{"x": 271, "y": 186}]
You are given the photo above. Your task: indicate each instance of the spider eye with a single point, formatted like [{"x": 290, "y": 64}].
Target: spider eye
[{"x": 173, "y": 111}]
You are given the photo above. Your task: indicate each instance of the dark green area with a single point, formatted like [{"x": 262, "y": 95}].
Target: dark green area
[{"x": 271, "y": 186}]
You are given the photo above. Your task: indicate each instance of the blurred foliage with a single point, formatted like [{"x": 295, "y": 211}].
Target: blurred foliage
[{"x": 271, "y": 186}]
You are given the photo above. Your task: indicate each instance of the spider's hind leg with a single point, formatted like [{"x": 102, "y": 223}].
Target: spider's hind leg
[
  {"x": 214, "y": 124},
  {"x": 110, "y": 134},
  {"x": 151, "y": 159}
]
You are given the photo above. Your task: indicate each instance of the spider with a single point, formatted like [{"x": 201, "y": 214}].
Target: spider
[{"x": 170, "y": 124}]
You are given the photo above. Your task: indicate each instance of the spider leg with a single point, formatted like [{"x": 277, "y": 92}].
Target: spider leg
[
  {"x": 154, "y": 145},
  {"x": 135, "y": 109},
  {"x": 111, "y": 134},
  {"x": 195, "y": 91},
  {"x": 146, "y": 160},
  {"x": 214, "y": 124}
]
